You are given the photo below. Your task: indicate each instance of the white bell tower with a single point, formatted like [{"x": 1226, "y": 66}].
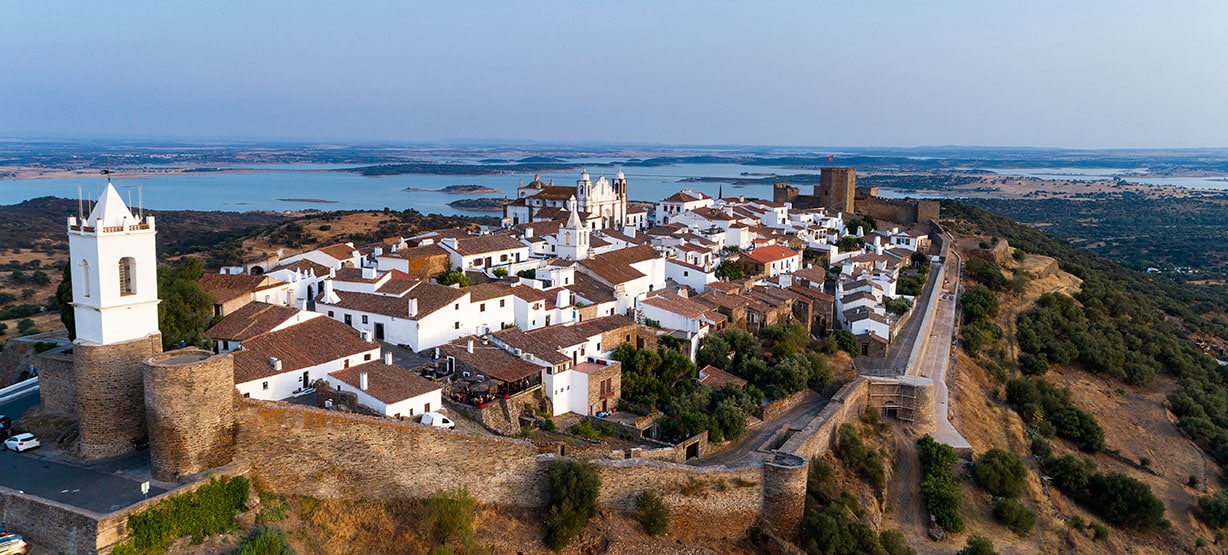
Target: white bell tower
[
  {"x": 114, "y": 273},
  {"x": 573, "y": 236}
]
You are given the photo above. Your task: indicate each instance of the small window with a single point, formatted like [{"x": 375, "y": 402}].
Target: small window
[
  {"x": 247, "y": 395},
  {"x": 265, "y": 386},
  {"x": 456, "y": 326},
  {"x": 457, "y": 306},
  {"x": 364, "y": 318},
  {"x": 503, "y": 258},
  {"x": 347, "y": 363},
  {"x": 482, "y": 307},
  {"x": 330, "y": 314},
  {"x": 127, "y": 276},
  {"x": 502, "y": 303},
  {"x": 366, "y": 356}
]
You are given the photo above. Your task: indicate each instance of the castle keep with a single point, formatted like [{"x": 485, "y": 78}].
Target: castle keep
[{"x": 838, "y": 191}]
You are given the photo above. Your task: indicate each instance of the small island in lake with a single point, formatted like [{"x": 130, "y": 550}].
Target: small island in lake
[
  {"x": 456, "y": 189},
  {"x": 313, "y": 200},
  {"x": 479, "y": 204}
]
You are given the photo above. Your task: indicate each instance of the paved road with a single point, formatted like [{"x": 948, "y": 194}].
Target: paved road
[
  {"x": 94, "y": 489},
  {"x": 935, "y": 360},
  {"x": 746, "y": 451},
  {"x": 896, "y": 361},
  {"x": 100, "y": 486}
]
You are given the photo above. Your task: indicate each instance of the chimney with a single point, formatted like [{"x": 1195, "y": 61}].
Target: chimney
[
  {"x": 470, "y": 347},
  {"x": 368, "y": 273},
  {"x": 562, "y": 297},
  {"x": 362, "y": 381},
  {"x": 276, "y": 362},
  {"x": 449, "y": 242},
  {"x": 413, "y": 307},
  {"x": 682, "y": 292},
  {"x": 388, "y": 359},
  {"x": 302, "y": 304},
  {"x": 366, "y": 335}
]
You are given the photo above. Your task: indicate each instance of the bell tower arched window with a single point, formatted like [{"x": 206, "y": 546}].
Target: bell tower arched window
[{"x": 127, "y": 276}]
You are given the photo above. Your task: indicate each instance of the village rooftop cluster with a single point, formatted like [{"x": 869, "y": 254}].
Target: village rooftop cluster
[{"x": 532, "y": 310}]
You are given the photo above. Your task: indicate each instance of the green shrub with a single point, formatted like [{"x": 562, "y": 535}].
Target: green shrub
[
  {"x": 584, "y": 429},
  {"x": 1215, "y": 509},
  {"x": 265, "y": 541},
  {"x": 1077, "y": 523},
  {"x": 652, "y": 512},
  {"x": 978, "y": 545},
  {"x": 572, "y": 487},
  {"x": 1014, "y": 515},
  {"x": 1042, "y": 448},
  {"x": 209, "y": 510},
  {"x": 499, "y": 272},
  {"x": 893, "y": 542},
  {"x": 1001, "y": 473},
  {"x": 1119, "y": 499},
  {"x": 447, "y": 516},
  {"x": 1099, "y": 532}
]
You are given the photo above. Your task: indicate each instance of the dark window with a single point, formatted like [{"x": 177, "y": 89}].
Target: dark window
[
  {"x": 265, "y": 385},
  {"x": 482, "y": 307},
  {"x": 127, "y": 271},
  {"x": 366, "y": 356},
  {"x": 502, "y": 303},
  {"x": 330, "y": 314},
  {"x": 456, "y": 326},
  {"x": 364, "y": 318}
]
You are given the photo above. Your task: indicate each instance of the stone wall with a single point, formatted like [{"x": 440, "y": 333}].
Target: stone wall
[
  {"x": 779, "y": 407},
  {"x": 837, "y": 188},
  {"x": 189, "y": 411},
  {"x": 110, "y": 395},
  {"x": 63, "y": 528},
  {"x": 57, "y": 384},
  {"x": 816, "y": 438},
  {"x": 784, "y": 493},
  {"x": 907, "y": 212},
  {"x": 18, "y": 360},
  {"x": 614, "y": 373},
  {"x": 301, "y": 450}
]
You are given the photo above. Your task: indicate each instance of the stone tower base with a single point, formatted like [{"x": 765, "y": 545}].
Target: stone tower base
[
  {"x": 189, "y": 409},
  {"x": 111, "y": 395}
]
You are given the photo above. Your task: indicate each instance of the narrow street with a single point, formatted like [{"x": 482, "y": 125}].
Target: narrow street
[{"x": 747, "y": 451}]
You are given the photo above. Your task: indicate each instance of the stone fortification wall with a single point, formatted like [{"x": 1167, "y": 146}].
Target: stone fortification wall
[
  {"x": 189, "y": 411},
  {"x": 303, "y": 450},
  {"x": 784, "y": 493},
  {"x": 816, "y": 438},
  {"x": 326, "y": 454},
  {"x": 735, "y": 495},
  {"x": 62, "y": 528},
  {"x": 907, "y": 212},
  {"x": 57, "y": 384},
  {"x": 779, "y": 407},
  {"x": 110, "y": 395}
]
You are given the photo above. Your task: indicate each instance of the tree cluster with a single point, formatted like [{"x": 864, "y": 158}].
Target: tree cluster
[
  {"x": 866, "y": 462},
  {"x": 939, "y": 487},
  {"x": 980, "y": 307},
  {"x": 572, "y": 488},
  {"x": 778, "y": 363},
  {"x": 1052, "y": 409},
  {"x": 1003, "y": 474},
  {"x": 186, "y": 310},
  {"x": 1118, "y": 499},
  {"x": 833, "y": 520}
]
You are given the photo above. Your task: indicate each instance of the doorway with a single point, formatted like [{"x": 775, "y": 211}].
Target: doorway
[
  {"x": 306, "y": 380},
  {"x": 379, "y": 331}
]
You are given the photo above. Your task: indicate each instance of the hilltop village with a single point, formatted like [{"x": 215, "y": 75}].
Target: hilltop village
[{"x": 581, "y": 326}]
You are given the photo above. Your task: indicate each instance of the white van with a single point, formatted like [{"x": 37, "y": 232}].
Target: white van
[{"x": 437, "y": 420}]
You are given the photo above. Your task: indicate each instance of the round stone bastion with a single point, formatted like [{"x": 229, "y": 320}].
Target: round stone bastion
[
  {"x": 784, "y": 492},
  {"x": 189, "y": 410}
]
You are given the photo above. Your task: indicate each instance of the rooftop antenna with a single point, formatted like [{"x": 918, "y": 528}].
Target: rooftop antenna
[
  {"x": 80, "y": 206},
  {"x": 140, "y": 198}
]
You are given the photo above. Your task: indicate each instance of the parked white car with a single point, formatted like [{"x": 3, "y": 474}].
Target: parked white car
[
  {"x": 21, "y": 442},
  {"x": 437, "y": 420}
]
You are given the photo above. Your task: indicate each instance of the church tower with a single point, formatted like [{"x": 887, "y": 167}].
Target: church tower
[
  {"x": 573, "y": 236},
  {"x": 115, "y": 302},
  {"x": 114, "y": 273}
]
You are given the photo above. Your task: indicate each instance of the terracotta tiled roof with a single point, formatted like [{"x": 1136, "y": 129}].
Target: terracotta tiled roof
[
  {"x": 314, "y": 342},
  {"x": 543, "y": 346},
  {"x": 304, "y": 266},
  {"x": 487, "y": 243},
  {"x": 685, "y": 264},
  {"x": 254, "y": 319},
  {"x": 398, "y": 286},
  {"x": 591, "y": 290},
  {"x": 390, "y": 384},
  {"x": 770, "y": 253},
  {"x": 227, "y": 287},
  {"x": 715, "y": 377},
  {"x": 540, "y": 228},
  {"x": 682, "y": 306},
  {"x": 532, "y": 295},
  {"x": 812, "y": 293},
  {"x": 596, "y": 326},
  {"x": 488, "y": 291},
  {"x": 490, "y": 359},
  {"x": 723, "y": 300},
  {"x": 341, "y": 252},
  {"x": 812, "y": 274},
  {"x": 423, "y": 251},
  {"x": 555, "y": 192},
  {"x": 354, "y": 275},
  {"x": 431, "y": 297},
  {"x": 686, "y": 196}
]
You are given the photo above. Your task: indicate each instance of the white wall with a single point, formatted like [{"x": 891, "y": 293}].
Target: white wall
[{"x": 283, "y": 385}]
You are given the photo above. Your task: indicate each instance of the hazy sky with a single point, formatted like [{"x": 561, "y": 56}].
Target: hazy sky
[{"x": 870, "y": 73}]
